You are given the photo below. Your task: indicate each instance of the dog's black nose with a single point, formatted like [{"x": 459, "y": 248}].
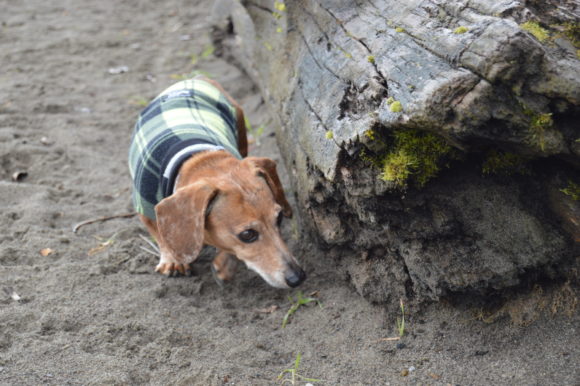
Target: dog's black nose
[{"x": 294, "y": 277}]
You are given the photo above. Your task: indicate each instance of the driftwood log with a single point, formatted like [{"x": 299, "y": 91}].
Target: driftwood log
[{"x": 433, "y": 146}]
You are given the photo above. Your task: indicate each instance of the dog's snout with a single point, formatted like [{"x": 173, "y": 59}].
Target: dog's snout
[{"x": 295, "y": 276}]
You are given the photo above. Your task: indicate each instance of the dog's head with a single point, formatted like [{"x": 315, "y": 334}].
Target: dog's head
[{"x": 239, "y": 213}]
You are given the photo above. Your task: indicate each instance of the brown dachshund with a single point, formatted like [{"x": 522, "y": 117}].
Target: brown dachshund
[{"x": 217, "y": 197}]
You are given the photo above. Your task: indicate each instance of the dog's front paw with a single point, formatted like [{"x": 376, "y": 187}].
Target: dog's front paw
[
  {"x": 173, "y": 269},
  {"x": 223, "y": 267},
  {"x": 216, "y": 277}
]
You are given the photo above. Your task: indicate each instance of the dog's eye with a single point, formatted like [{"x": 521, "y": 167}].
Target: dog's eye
[
  {"x": 279, "y": 219},
  {"x": 248, "y": 236}
]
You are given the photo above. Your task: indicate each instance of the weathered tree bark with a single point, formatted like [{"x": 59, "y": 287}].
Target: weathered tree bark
[{"x": 348, "y": 79}]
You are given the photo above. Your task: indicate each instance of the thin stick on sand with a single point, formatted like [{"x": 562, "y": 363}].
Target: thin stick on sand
[
  {"x": 389, "y": 339},
  {"x": 101, "y": 219},
  {"x": 151, "y": 244},
  {"x": 148, "y": 251}
]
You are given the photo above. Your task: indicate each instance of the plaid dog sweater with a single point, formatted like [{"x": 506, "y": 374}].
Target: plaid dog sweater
[{"x": 189, "y": 117}]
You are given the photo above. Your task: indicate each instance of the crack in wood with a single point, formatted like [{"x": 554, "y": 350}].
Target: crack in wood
[
  {"x": 340, "y": 23},
  {"x": 313, "y": 111},
  {"x": 320, "y": 65},
  {"x": 260, "y": 7}
]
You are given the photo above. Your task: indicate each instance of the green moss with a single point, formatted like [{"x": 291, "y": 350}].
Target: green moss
[
  {"x": 572, "y": 190},
  {"x": 370, "y": 134},
  {"x": 370, "y": 159},
  {"x": 396, "y": 107},
  {"x": 542, "y": 120},
  {"x": 371, "y": 59},
  {"x": 460, "y": 30},
  {"x": 345, "y": 53},
  {"x": 538, "y": 126},
  {"x": 399, "y": 29},
  {"x": 415, "y": 153},
  {"x": 407, "y": 157},
  {"x": 539, "y": 123},
  {"x": 397, "y": 167},
  {"x": 208, "y": 51},
  {"x": 390, "y": 100},
  {"x": 535, "y": 29},
  {"x": 268, "y": 46},
  {"x": 329, "y": 134},
  {"x": 504, "y": 163},
  {"x": 572, "y": 32}
]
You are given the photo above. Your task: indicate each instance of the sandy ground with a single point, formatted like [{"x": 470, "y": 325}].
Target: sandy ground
[{"x": 90, "y": 310}]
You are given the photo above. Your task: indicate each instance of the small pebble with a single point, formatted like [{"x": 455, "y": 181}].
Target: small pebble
[
  {"x": 118, "y": 70},
  {"x": 84, "y": 110},
  {"x": 411, "y": 369},
  {"x": 15, "y": 297},
  {"x": 401, "y": 345},
  {"x": 405, "y": 372},
  {"x": 19, "y": 176}
]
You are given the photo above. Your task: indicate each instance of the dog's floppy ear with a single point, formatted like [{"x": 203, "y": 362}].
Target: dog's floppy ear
[
  {"x": 266, "y": 168},
  {"x": 181, "y": 220}
]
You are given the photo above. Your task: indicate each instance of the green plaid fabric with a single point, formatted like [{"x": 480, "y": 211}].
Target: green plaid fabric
[{"x": 189, "y": 117}]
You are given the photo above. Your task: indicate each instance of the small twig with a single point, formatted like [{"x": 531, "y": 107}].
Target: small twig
[
  {"x": 148, "y": 251},
  {"x": 101, "y": 219},
  {"x": 267, "y": 310},
  {"x": 150, "y": 243},
  {"x": 389, "y": 339}
]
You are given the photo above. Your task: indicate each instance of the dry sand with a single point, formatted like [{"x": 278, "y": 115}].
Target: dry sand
[{"x": 92, "y": 311}]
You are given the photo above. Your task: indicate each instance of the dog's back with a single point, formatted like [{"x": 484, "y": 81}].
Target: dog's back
[{"x": 188, "y": 117}]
